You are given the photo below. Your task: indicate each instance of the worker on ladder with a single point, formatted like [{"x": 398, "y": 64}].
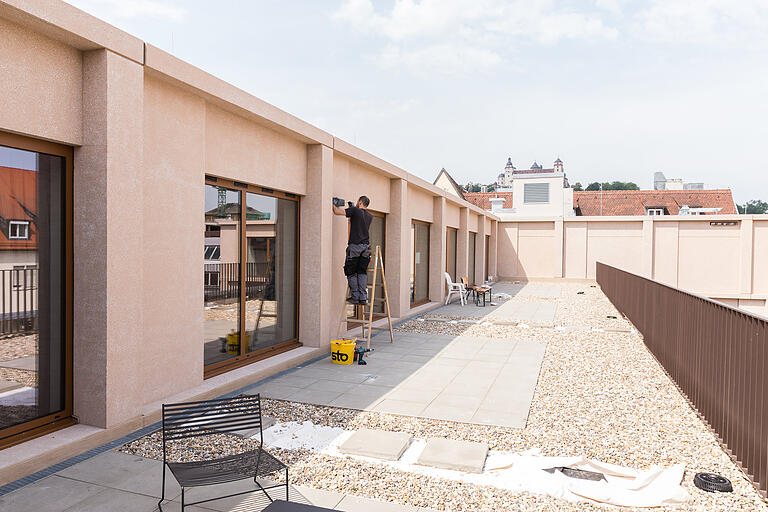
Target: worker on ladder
[{"x": 358, "y": 248}]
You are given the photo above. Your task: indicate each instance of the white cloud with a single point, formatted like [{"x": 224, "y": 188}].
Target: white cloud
[
  {"x": 129, "y": 9},
  {"x": 451, "y": 36},
  {"x": 705, "y": 21},
  {"x": 444, "y": 59}
]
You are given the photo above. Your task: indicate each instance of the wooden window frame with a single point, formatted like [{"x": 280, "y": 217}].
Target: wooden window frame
[
  {"x": 251, "y": 357},
  {"x": 413, "y": 261},
  {"x": 448, "y": 231},
  {"x": 42, "y": 425}
]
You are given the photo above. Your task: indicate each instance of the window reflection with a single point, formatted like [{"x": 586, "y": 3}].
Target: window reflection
[
  {"x": 221, "y": 288},
  {"x": 32, "y": 329},
  {"x": 271, "y": 225},
  {"x": 265, "y": 238}
]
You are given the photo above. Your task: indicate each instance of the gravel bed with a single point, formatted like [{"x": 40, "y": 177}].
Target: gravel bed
[
  {"x": 18, "y": 346},
  {"x": 25, "y": 377},
  {"x": 599, "y": 394}
]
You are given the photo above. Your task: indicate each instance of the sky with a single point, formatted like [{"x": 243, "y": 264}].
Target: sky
[{"x": 616, "y": 89}]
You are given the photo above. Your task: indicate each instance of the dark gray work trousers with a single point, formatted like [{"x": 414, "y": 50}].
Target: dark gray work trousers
[{"x": 358, "y": 256}]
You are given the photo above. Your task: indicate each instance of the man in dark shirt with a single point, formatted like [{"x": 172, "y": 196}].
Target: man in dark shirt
[{"x": 358, "y": 249}]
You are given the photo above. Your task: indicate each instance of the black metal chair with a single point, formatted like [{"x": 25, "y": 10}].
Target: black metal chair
[{"x": 219, "y": 416}]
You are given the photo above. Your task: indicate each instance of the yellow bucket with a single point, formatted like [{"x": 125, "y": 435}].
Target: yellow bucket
[
  {"x": 233, "y": 343},
  {"x": 343, "y": 351}
]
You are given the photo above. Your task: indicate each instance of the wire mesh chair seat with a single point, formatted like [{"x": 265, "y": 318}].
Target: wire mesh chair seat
[
  {"x": 251, "y": 464},
  {"x": 215, "y": 417}
]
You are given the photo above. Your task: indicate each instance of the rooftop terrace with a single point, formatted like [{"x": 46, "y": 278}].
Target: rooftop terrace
[{"x": 554, "y": 367}]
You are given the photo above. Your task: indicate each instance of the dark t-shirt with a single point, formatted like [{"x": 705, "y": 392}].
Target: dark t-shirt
[{"x": 359, "y": 220}]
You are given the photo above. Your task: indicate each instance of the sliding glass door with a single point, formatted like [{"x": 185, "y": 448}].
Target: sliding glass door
[
  {"x": 250, "y": 270},
  {"x": 35, "y": 288},
  {"x": 472, "y": 247},
  {"x": 450, "y": 253},
  {"x": 419, "y": 263}
]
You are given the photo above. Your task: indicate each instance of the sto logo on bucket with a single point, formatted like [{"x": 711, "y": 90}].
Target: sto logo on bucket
[{"x": 339, "y": 356}]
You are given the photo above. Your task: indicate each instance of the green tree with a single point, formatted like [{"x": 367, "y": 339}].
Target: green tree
[
  {"x": 577, "y": 187},
  {"x": 753, "y": 207},
  {"x": 613, "y": 185}
]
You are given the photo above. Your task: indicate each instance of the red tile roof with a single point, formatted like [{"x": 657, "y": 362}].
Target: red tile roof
[
  {"x": 629, "y": 202},
  {"x": 634, "y": 202},
  {"x": 17, "y": 187},
  {"x": 482, "y": 199}
]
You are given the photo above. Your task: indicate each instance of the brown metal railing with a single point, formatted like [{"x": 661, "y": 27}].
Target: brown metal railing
[
  {"x": 18, "y": 301},
  {"x": 717, "y": 355}
]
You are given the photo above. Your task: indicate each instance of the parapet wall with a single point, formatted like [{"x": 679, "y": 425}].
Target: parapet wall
[{"x": 718, "y": 256}]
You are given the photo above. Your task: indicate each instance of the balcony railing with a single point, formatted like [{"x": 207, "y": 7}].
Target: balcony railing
[
  {"x": 18, "y": 301},
  {"x": 717, "y": 355}
]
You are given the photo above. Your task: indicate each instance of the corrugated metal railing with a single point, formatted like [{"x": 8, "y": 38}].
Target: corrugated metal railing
[
  {"x": 717, "y": 355},
  {"x": 18, "y": 301}
]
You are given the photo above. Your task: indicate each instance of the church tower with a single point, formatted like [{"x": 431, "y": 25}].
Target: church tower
[{"x": 558, "y": 165}]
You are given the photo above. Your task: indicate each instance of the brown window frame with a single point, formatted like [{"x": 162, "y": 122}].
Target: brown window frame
[
  {"x": 251, "y": 357},
  {"x": 37, "y": 427},
  {"x": 448, "y": 231},
  {"x": 413, "y": 262}
]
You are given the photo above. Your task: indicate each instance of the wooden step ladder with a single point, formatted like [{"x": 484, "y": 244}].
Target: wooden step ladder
[{"x": 361, "y": 312}]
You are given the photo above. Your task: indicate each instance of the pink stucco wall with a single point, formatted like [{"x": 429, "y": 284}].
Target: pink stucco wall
[
  {"x": 686, "y": 252},
  {"x": 147, "y": 128}
]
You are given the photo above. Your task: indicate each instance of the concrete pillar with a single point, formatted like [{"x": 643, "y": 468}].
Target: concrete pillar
[
  {"x": 108, "y": 285},
  {"x": 437, "y": 250},
  {"x": 559, "y": 245},
  {"x": 398, "y": 248},
  {"x": 480, "y": 251},
  {"x": 746, "y": 237},
  {"x": 462, "y": 245},
  {"x": 646, "y": 258},
  {"x": 494, "y": 247},
  {"x": 319, "y": 301}
]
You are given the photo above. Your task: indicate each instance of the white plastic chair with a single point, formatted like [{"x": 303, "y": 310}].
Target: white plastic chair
[{"x": 455, "y": 288}]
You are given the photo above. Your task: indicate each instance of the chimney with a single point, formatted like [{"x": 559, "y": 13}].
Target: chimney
[{"x": 497, "y": 204}]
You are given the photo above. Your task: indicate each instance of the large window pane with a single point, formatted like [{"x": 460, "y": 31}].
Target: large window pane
[
  {"x": 32, "y": 328},
  {"x": 271, "y": 228},
  {"x": 451, "y": 254},
  {"x": 376, "y": 233},
  {"x": 419, "y": 263},
  {"x": 221, "y": 288},
  {"x": 472, "y": 244}
]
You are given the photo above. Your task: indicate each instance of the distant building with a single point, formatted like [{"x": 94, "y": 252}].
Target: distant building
[
  {"x": 533, "y": 192},
  {"x": 447, "y": 183},
  {"x": 660, "y": 182}
]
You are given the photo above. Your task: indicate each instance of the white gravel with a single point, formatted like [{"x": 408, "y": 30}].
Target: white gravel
[{"x": 600, "y": 394}]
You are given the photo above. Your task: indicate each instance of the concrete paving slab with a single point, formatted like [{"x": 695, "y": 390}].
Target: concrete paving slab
[
  {"x": 378, "y": 444},
  {"x": 315, "y": 396},
  {"x": 452, "y": 454},
  {"x": 124, "y": 472},
  {"x": 499, "y": 418},
  {"x": 52, "y": 494},
  {"x": 21, "y": 363},
  {"x": 317, "y": 497},
  {"x": 399, "y": 407},
  {"x": 448, "y": 413},
  {"x": 355, "y": 401},
  {"x": 9, "y": 385},
  {"x": 114, "y": 500}
]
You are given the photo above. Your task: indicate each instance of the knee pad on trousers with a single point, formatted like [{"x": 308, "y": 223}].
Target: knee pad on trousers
[
  {"x": 362, "y": 264},
  {"x": 350, "y": 267}
]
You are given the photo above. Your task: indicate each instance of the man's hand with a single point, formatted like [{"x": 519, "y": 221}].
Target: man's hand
[{"x": 339, "y": 211}]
